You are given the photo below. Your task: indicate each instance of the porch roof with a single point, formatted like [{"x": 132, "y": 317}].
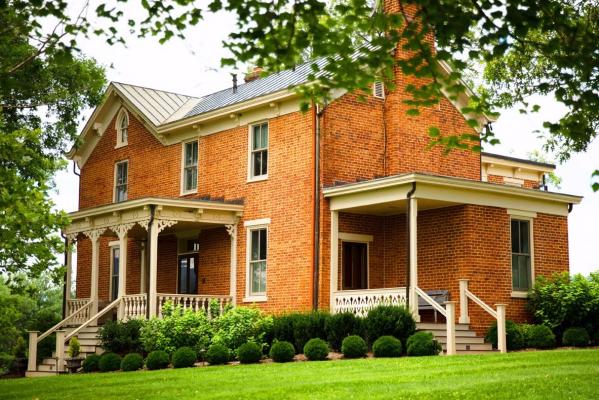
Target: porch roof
[
  {"x": 388, "y": 195},
  {"x": 185, "y": 212}
]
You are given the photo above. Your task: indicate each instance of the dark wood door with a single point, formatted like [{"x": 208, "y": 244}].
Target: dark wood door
[
  {"x": 355, "y": 266},
  {"x": 187, "y": 274}
]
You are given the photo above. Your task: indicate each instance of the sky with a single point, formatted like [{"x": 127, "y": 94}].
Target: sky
[{"x": 192, "y": 66}]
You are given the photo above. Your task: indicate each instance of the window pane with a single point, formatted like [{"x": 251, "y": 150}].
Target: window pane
[
  {"x": 524, "y": 237},
  {"x": 124, "y": 135},
  {"x": 264, "y": 142},
  {"x": 256, "y": 163},
  {"x": 515, "y": 237},
  {"x": 264, "y": 162},
  {"x": 183, "y": 275},
  {"x": 258, "y": 281},
  {"x": 193, "y": 277},
  {"x": 515, "y": 272},
  {"x": 115, "y": 261},
  {"x": 255, "y": 244},
  {"x": 256, "y": 137},
  {"x": 263, "y": 244}
]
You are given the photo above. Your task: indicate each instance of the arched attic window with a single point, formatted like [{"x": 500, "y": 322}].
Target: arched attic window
[{"x": 122, "y": 128}]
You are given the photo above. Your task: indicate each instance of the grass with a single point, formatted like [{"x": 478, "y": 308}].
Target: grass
[{"x": 559, "y": 374}]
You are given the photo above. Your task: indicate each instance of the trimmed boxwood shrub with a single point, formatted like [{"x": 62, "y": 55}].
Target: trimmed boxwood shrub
[
  {"x": 387, "y": 346},
  {"x": 298, "y": 328},
  {"x": 354, "y": 347},
  {"x": 340, "y": 326},
  {"x": 157, "y": 359},
  {"x": 316, "y": 350},
  {"x": 184, "y": 357},
  {"x": 541, "y": 337},
  {"x": 121, "y": 337},
  {"x": 91, "y": 363},
  {"x": 249, "y": 353},
  {"x": 514, "y": 336},
  {"x": 422, "y": 344},
  {"x": 110, "y": 362},
  {"x": 394, "y": 321},
  {"x": 577, "y": 337},
  {"x": 132, "y": 362},
  {"x": 282, "y": 351},
  {"x": 217, "y": 354}
]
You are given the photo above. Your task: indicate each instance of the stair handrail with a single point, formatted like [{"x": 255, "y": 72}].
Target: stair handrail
[
  {"x": 448, "y": 312},
  {"x": 63, "y": 322},
  {"x": 431, "y": 301},
  {"x": 93, "y": 318},
  {"x": 499, "y": 315}
]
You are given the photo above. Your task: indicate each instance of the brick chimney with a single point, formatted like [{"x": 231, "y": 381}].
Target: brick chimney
[{"x": 253, "y": 75}]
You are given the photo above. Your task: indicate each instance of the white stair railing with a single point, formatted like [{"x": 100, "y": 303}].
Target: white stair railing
[
  {"x": 448, "y": 312},
  {"x": 498, "y": 314},
  {"x": 193, "y": 302}
]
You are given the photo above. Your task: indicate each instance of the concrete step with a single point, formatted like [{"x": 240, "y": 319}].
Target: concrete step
[
  {"x": 460, "y": 347},
  {"x": 89, "y": 342},
  {"x": 37, "y": 374},
  {"x": 87, "y": 329},
  {"x": 466, "y": 340},
  {"x": 425, "y": 326},
  {"x": 83, "y": 350},
  {"x": 443, "y": 333},
  {"x": 46, "y": 368},
  {"x": 87, "y": 335}
]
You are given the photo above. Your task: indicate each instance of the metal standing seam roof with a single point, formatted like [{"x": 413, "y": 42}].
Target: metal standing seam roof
[{"x": 157, "y": 105}]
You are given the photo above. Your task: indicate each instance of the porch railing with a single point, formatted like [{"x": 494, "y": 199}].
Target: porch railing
[
  {"x": 360, "y": 302},
  {"x": 135, "y": 306},
  {"x": 79, "y": 314},
  {"x": 194, "y": 302}
]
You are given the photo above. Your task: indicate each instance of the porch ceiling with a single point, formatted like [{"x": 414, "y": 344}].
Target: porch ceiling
[
  {"x": 171, "y": 214},
  {"x": 397, "y": 207}
]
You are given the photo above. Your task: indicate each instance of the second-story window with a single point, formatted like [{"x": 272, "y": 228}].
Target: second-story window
[
  {"x": 258, "y": 168},
  {"x": 190, "y": 167},
  {"x": 122, "y": 129},
  {"x": 120, "y": 181}
]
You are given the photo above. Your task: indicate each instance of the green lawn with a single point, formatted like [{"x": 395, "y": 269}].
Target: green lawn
[{"x": 572, "y": 374}]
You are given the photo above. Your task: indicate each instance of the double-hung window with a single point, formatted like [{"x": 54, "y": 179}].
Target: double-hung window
[
  {"x": 190, "y": 167},
  {"x": 114, "y": 273},
  {"x": 521, "y": 255},
  {"x": 120, "y": 181},
  {"x": 122, "y": 129},
  {"x": 258, "y": 242},
  {"x": 258, "y": 168}
]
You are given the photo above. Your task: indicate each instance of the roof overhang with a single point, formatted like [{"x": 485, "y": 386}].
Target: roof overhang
[
  {"x": 184, "y": 213},
  {"x": 387, "y": 196}
]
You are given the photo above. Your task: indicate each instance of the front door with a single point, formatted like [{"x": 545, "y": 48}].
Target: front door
[
  {"x": 188, "y": 274},
  {"x": 114, "y": 283},
  {"x": 355, "y": 266}
]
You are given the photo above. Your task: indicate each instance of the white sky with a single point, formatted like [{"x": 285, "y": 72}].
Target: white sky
[{"x": 192, "y": 66}]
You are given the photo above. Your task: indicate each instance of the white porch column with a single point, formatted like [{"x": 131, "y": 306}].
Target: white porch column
[
  {"x": 334, "y": 258},
  {"x": 143, "y": 267},
  {"x": 157, "y": 226},
  {"x": 32, "y": 357},
  {"x": 94, "y": 237},
  {"x": 60, "y": 334},
  {"x": 464, "y": 317},
  {"x": 69, "y": 266},
  {"x": 501, "y": 332},
  {"x": 413, "y": 240},
  {"x": 122, "y": 232},
  {"x": 232, "y": 231}
]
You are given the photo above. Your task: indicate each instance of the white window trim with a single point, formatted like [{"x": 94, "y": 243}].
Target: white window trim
[
  {"x": 264, "y": 177},
  {"x": 182, "y": 182},
  {"x": 250, "y": 226},
  {"x": 355, "y": 238},
  {"x": 117, "y": 126},
  {"x": 523, "y": 216},
  {"x": 114, "y": 180},
  {"x": 112, "y": 246}
]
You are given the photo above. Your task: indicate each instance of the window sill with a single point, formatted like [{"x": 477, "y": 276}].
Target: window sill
[
  {"x": 188, "y": 192},
  {"x": 258, "y": 178},
  {"x": 255, "y": 299},
  {"x": 119, "y": 145},
  {"x": 520, "y": 295}
]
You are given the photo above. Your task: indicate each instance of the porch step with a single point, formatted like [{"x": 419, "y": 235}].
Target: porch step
[
  {"x": 430, "y": 326},
  {"x": 37, "y": 374},
  {"x": 467, "y": 342}
]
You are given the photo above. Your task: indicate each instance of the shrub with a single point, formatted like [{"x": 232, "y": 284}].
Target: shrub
[
  {"x": 184, "y": 357},
  {"x": 110, "y": 362},
  {"x": 595, "y": 337},
  {"x": 240, "y": 325},
  {"x": 316, "y": 350},
  {"x": 282, "y": 351},
  {"x": 340, "y": 326},
  {"x": 565, "y": 301},
  {"x": 249, "y": 353},
  {"x": 132, "y": 362},
  {"x": 354, "y": 347},
  {"x": 91, "y": 363},
  {"x": 541, "y": 337},
  {"x": 514, "y": 337},
  {"x": 299, "y": 328},
  {"x": 394, "y": 321},
  {"x": 217, "y": 354},
  {"x": 157, "y": 359},
  {"x": 422, "y": 344},
  {"x": 121, "y": 337},
  {"x": 177, "y": 328},
  {"x": 387, "y": 346},
  {"x": 74, "y": 347},
  {"x": 577, "y": 337}
]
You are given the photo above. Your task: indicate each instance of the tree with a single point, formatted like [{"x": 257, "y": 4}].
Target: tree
[{"x": 44, "y": 85}]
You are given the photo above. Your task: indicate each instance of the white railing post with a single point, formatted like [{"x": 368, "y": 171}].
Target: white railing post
[
  {"x": 32, "y": 357},
  {"x": 464, "y": 317},
  {"x": 501, "y": 333},
  {"x": 122, "y": 231},
  {"x": 450, "y": 320},
  {"x": 232, "y": 231},
  {"x": 60, "y": 334}
]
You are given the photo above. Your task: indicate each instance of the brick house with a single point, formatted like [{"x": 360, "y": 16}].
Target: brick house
[{"x": 240, "y": 197}]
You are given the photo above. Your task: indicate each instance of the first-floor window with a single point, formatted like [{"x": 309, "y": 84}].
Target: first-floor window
[
  {"x": 355, "y": 266},
  {"x": 258, "y": 246},
  {"x": 521, "y": 262},
  {"x": 121, "y": 181},
  {"x": 114, "y": 278}
]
